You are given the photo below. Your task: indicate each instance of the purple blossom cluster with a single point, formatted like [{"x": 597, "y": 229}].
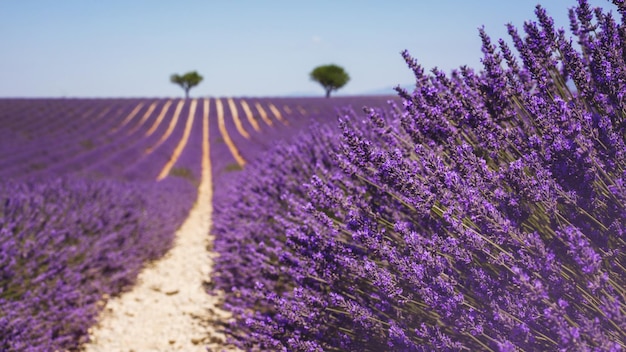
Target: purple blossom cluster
[
  {"x": 58, "y": 261},
  {"x": 488, "y": 212}
]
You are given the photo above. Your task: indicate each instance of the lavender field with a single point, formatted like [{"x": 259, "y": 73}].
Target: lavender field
[
  {"x": 482, "y": 210},
  {"x": 93, "y": 188}
]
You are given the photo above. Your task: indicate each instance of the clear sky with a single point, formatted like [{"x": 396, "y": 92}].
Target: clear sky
[{"x": 129, "y": 48}]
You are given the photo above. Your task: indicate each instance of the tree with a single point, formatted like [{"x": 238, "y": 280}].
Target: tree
[
  {"x": 187, "y": 81},
  {"x": 331, "y": 77}
]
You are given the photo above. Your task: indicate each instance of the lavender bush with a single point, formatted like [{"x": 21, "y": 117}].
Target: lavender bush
[
  {"x": 487, "y": 214},
  {"x": 66, "y": 243}
]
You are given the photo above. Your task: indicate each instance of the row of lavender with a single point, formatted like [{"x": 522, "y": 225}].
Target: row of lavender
[{"x": 488, "y": 214}]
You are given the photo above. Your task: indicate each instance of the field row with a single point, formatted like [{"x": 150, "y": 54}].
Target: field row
[
  {"x": 130, "y": 139},
  {"x": 142, "y": 139}
]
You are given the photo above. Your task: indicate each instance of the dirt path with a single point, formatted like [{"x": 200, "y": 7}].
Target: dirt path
[
  {"x": 182, "y": 143},
  {"x": 168, "y": 309},
  {"x": 229, "y": 142}
]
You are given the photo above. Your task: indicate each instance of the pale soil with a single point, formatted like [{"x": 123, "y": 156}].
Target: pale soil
[
  {"x": 236, "y": 120},
  {"x": 181, "y": 144},
  {"x": 168, "y": 309},
  {"x": 229, "y": 142}
]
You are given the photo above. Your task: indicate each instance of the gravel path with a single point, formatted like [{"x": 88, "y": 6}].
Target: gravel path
[{"x": 168, "y": 309}]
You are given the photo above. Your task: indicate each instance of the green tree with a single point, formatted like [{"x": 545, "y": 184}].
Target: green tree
[
  {"x": 331, "y": 77},
  {"x": 187, "y": 81}
]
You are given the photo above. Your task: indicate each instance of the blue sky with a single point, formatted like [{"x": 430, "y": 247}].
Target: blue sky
[{"x": 129, "y": 48}]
